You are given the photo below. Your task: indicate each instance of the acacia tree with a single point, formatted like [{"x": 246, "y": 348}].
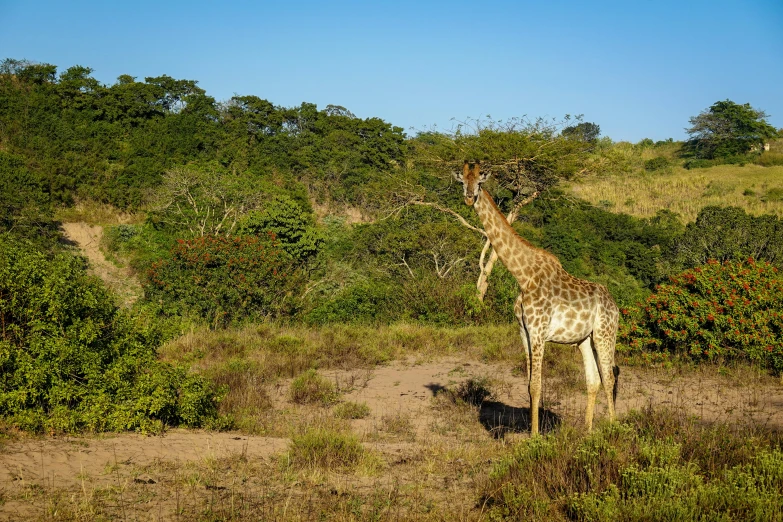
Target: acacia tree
[
  {"x": 727, "y": 129},
  {"x": 526, "y": 159},
  {"x": 203, "y": 201}
]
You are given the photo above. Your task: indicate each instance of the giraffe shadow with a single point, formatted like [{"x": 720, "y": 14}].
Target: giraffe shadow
[{"x": 500, "y": 419}]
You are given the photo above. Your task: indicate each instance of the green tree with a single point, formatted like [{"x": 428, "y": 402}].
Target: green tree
[
  {"x": 526, "y": 159},
  {"x": 727, "y": 129},
  {"x": 293, "y": 226},
  {"x": 585, "y": 131},
  {"x": 729, "y": 234}
]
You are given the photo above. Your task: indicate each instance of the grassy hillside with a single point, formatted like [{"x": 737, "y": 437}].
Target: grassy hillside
[{"x": 756, "y": 189}]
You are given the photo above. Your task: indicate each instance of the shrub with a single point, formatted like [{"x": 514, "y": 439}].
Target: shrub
[
  {"x": 292, "y": 225},
  {"x": 727, "y": 311},
  {"x": 657, "y": 163},
  {"x": 698, "y": 164},
  {"x": 769, "y": 159},
  {"x": 622, "y": 472},
  {"x": 362, "y": 302},
  {"x": 729, "y": 234},
  {"x": 71, "y": 360},
  {"x": 223, "y": 280},
  {"x": 474, "y": 391},
  {"x": 352, "y": 410}
]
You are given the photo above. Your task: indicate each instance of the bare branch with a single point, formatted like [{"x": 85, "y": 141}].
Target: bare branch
[{"x": 447, "y": 210}]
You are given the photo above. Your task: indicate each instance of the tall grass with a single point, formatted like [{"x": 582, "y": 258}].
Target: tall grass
[{"x": 686, "y": 192}]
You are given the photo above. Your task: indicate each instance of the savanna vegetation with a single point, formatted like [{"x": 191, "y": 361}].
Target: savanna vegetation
[{"x": 254, "y": 223}]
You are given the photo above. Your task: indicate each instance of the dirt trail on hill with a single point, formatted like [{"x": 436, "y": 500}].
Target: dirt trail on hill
[{"x": 87, "y": 238}]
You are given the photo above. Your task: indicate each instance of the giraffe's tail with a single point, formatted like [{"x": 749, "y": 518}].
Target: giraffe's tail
[{"x": 616, "y": 372}]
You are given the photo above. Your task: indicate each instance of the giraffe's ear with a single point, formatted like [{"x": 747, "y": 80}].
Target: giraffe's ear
[
  {"x": 480, "y": 176},
  {"x": 460, "y": 176}
]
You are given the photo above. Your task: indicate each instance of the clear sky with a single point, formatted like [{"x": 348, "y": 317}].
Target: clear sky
[{"x": 638, "y": 68}]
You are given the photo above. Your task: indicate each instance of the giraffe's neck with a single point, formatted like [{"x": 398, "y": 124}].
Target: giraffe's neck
[{"x": 514, "y": 251}]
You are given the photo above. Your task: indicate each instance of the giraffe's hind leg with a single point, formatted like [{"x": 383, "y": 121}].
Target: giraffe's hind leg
[
  {"x": 604, "y": 347},
  {"x": 592, "y": 379}
]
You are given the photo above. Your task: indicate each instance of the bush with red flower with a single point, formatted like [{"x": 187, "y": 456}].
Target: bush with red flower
[{"x": 727, "y": 311}]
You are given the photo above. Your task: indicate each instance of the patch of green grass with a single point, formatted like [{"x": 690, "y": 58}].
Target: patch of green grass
[
  {"x": 773, "y": 195},
  {"x": 311, "y": 388},
  {"x": 352, "y": 410},
  {"x": 325, "y": 448}
]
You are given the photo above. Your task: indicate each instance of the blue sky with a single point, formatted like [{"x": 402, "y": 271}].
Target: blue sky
[{"x": 638, "y": 68}]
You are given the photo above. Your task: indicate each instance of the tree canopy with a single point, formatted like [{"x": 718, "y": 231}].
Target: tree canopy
[
  {"x": 727, "y": 129},
  {"x": 585, "y": 131}
]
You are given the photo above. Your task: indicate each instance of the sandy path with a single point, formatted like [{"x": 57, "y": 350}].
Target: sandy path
[{"x": 87, "y": 238}]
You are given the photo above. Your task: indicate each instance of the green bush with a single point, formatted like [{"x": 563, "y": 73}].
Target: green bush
[
  {"x": 728, "y": 234},
  {"x": 769, "y": 159},
  {"x": 363, "y": 302},
  {"x": 223, "y": 280},
  {"x": 292, "y": 225},
  {"x": 352, "y": 410},
  {"x": 699, "y": 164},
  {"x": 70, "y": 360},
  {"x": 739, "y": 159},
  {"x": 658, "y": 163},
  {"x": 727, "y": 311}
]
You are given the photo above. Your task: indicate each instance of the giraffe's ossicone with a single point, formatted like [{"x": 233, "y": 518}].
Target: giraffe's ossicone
[{"x": 552, "y": 304}]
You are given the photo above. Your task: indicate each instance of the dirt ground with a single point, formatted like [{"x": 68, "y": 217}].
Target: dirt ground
[{"x": 82, "y": 466}]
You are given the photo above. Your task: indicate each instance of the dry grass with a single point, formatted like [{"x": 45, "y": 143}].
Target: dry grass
[
  {"x": 751, "y": 187},
  {"x": 96, "y": 213}
]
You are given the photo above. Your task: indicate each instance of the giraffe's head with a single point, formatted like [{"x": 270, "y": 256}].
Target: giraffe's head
[{"x": 471, "y": 178}]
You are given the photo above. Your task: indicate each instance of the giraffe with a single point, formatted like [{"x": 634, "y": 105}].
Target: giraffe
[{"x": 552, "y": 305}]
